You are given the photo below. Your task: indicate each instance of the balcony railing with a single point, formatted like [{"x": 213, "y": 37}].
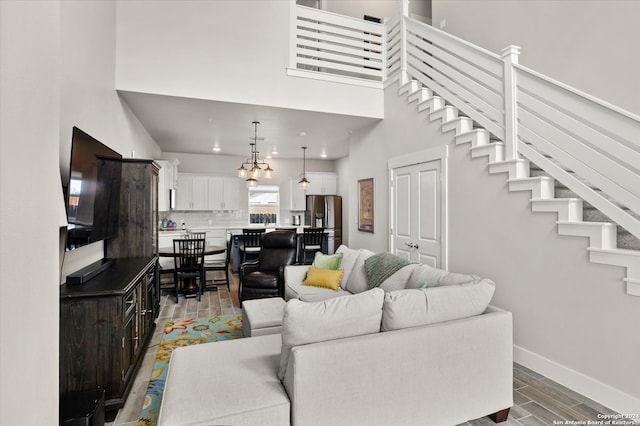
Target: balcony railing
[{"x": 333, "y": 45}]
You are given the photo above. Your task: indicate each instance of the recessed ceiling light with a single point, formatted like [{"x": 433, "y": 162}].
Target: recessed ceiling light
[
  {"x": 216, "y": 148},
  {"x": 274, "y": 152},
  {"x": 323, "y": 155},
  {"x": 268, "y": 156},
  {"x": 303, "y": 133}
]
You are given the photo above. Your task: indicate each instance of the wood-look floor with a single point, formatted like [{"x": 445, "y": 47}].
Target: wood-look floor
[{"x": 537, "y": 399}]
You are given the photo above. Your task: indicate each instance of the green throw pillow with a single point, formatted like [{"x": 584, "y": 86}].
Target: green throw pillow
[{"x": 327, "y": 261}]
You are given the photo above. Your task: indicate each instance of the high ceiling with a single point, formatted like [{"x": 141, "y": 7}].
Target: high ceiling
[{"x": 197, "y": 126}]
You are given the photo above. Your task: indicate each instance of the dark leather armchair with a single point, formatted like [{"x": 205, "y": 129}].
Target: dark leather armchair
[{"x": 265, "y": 278}]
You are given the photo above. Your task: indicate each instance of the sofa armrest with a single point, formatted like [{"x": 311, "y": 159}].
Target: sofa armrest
[
  {"x": 296, "y": 272},
  {"x": 445, "y": 373},
  {"x": 293, "y": 274}
]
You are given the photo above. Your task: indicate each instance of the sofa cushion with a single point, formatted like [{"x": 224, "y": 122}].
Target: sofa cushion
[
  {"x": 349, "y": 258},
  {"x": 309, "y": 322},
  {"x": 325, "y": 278},
  {"x": 399, "y": 279},
  {"x": 358, "y": 279},
  {"x": 327, "y": 261},
  {"x": 415, "y": 307},
  {"x": 233, "y": 382},
  {"x": 381, "y": 266},
  {"x": 294, "y": 275},
  {"x": 426, "y": 276}
]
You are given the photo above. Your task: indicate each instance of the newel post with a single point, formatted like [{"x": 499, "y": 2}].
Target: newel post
[{"x": 509, "y": 58}]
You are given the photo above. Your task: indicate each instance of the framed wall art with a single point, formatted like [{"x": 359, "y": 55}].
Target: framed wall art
[{"x": 365, "y": 205}]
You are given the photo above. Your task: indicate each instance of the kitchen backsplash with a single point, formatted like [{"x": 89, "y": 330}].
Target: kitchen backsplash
[{"x": 204, "y": 219}]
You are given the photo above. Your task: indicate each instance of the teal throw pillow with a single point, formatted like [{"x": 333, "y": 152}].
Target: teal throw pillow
[{"x": 327, "y": 261}]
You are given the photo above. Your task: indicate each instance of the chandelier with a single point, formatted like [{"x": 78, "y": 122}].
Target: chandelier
[
  {"x": 253, "y": 169},
  {"x": 304, "y": 182}
]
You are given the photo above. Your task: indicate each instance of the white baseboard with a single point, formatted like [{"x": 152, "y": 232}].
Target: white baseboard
[{"x": 602, "y": 393}]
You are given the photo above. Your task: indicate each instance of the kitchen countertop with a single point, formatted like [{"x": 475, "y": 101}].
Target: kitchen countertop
[{"x": 230, "y": 227}]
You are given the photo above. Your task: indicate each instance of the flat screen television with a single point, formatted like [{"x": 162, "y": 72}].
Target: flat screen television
[{"x": 92, "y": 191}]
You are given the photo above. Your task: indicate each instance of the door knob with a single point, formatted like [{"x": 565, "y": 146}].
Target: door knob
[{"x": 410, "y": 245}]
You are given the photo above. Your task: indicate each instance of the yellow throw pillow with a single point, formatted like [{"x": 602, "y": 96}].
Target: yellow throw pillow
[{"x": 325, "y": 278}]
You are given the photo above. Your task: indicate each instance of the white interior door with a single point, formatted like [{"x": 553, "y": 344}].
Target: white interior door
[{"x": 418, "y": 208}]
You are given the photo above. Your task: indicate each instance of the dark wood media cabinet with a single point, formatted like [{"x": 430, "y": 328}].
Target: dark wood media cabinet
[
  {"x": 106, "y": 322},
  {"x": 106, "y": 325}
]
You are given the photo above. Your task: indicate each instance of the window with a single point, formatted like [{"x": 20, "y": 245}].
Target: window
[{"x": 264, "y": 204}]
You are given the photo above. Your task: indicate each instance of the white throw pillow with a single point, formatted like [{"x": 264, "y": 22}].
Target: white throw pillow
[
  {"x": 347, "y": 316},
  {"x": 415, "y": 307},
  {"x": 398, "y": 280},
  {"x": 358, "y": 279},
  {"x": 349, "y": 258},
  {"x": 426, "y": 276}
]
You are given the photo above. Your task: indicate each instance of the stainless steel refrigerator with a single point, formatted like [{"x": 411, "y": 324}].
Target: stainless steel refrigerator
[{"x": 325, "y": 211}]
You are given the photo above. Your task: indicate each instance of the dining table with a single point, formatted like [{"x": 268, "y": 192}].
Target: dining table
[{"x": 208, "y": 251}]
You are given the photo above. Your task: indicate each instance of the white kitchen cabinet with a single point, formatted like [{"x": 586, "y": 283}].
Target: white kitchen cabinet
[
  {"x": 231, "y": 193},
  {"x": 224, "y": 193},
  {"x": 297, "y": 195},
  {"x": 192, "y": 192},
  {"x": 166, "y": 182},
  {"x": 322, "y": 183}
]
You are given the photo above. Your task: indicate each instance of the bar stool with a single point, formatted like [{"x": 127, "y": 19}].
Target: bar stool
[
  {"x": 312, "y": 239},
  {"x": 251, "y": 244}
]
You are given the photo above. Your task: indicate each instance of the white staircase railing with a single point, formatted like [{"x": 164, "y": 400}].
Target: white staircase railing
[
  {"x": 597, "y": 143},
  {"x": 336, "y": 45},
  {"x": 587, "y": 145}
]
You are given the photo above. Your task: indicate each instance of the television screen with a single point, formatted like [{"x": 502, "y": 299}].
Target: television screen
[{"x": 92, "y": 191}]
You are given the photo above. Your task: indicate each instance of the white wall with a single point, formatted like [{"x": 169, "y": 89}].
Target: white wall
[
  {"x": 572, "y": 318},
  {"x": 588, "y": 44},
  {"x": 29, "y": 201},
  {"x": 224, "y": 50},
  {"x": 358, "y": 8},
  {"x": 89, "y": 100},
  {"x": 57, "y": 70}
]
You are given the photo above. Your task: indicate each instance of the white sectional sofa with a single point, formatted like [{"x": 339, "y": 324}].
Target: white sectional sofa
[{"x": 412, "y": 356}]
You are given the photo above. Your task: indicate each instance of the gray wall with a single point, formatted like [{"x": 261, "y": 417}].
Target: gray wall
[
  {"x": 571, "y": 317},
  {"x": 588, "y": 44}
]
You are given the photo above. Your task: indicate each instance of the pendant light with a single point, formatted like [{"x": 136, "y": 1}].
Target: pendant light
[
  {"x": 253, "y": 169},
  {"x": 304, "y": 182}
]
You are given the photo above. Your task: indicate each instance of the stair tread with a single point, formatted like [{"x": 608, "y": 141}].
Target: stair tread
[{"x": 622, "y": 251}]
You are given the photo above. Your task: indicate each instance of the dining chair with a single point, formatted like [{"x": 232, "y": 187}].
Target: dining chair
[
  {"x": 312, "y": 239},
  {"x": 195, "y": 235},
  {"x": 219, "y": 265},
  {"x": 251, "y": 244},
  {"x": 188, "y": 260}
]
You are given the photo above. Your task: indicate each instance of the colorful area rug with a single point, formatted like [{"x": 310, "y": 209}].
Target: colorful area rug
[{"x": 180, "y": 333}]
